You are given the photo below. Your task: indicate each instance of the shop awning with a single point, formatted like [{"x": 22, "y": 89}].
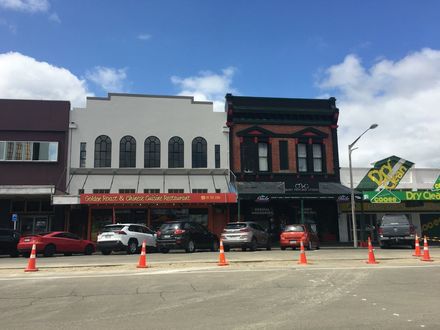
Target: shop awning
[
  {"x": 26, "y": 190},
  {"x": 261, "y": 187},
  {"x": 334, "y": 188}
]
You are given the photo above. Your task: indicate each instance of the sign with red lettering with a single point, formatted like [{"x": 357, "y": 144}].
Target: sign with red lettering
[{"x": 158, "y": 198}]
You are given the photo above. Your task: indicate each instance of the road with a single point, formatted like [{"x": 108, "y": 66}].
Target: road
[{"x": 337, "y": 291}]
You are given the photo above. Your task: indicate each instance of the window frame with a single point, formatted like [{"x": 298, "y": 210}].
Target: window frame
[
  {"x": 176, "y": 152},
  {"x": 103, "y": 158},
  {"x": 199, "y": 152},
  {"x": 28, "y": 151},
  {"x": 127, "y": 152},
  {"x": 152, "y": 158}
]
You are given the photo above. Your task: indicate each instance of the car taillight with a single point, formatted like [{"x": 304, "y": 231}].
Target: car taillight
[
  {"x": 179, "y": 232},
  {"x": 380, "y": 231},
  {"x": 158, "y": 233},
  {"x": 245, "y": 230},
  {"x": 121, "y": 232}
]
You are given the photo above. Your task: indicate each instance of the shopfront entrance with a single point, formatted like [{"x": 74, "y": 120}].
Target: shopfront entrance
[{"x": 34, "y": 224}]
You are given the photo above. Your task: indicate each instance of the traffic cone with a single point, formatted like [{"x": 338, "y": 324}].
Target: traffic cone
[
  {"x": 222, "y": 260},
  {"x": 302, "y": 255},
  {"x": 32, "y": 260},
  {"x": 143, "y": 257},
  {"x": 417, "y": 252},
  {"x": 371, "y": 258},
  {"x": 426, "y": 256}
]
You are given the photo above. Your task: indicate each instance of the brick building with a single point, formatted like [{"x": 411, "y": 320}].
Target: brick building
[{"x": 284, "y": 154}]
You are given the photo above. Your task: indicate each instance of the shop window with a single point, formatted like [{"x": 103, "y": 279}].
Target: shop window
[
  {"x": 80, "y": 191},
  {"x": 310, "y": 157},
  {"x": 218, "y": 191},
  {"x": 199, "y": 153},
  {"x": 302, "y": 157},
  {"x": 248, "y": 154},
  {"x": 217, "y": 156},
  {"x": 317, "y": 157},
  {"x": 200, "y": 216},
  {"x": 152, "y": 191},
  {"x": 127, "y": 152},
  {"x": 284, "y": 155},
  {"x": 28, "y": 151},
  {"x": 18, "y": 206},
  {"x": 46, "y": 206},
  {"x": 200, "y": 191},
  {"x": 127, "y": 191},
  {"x": 33, "y": 206},
  {"x": 151, "y": 152},
  {"x": 101, "y": 191},
  {"x": 175, "y": 191},
  {"x": 175, "y": 152},
  {"x": 103, "y": 151},
  {"x": 82, "y": 154}
]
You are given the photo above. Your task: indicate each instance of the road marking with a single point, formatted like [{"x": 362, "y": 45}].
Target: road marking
[
  {"x": 395, "y": 314},
  {"x": 363, "y": 299},
  {"x": 384, "y": 309}
]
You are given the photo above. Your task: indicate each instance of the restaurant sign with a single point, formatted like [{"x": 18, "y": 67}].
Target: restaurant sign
[
  {"x": 157, "y": 198},
  {"x": 387, "y": 197},
  {"x": 386, "y": 174}
]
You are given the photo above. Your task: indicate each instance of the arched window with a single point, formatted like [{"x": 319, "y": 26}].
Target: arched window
[
  {"x": 199, "y": 153},
  {"x": 175, "y": 152},
  {"x": 127, "y": 152},
  {"x": 152, "y": 152},
  {"x": 103, "y": 151}
]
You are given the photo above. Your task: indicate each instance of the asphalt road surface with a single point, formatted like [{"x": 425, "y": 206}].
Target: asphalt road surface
[{"x": 241, "y": 296}]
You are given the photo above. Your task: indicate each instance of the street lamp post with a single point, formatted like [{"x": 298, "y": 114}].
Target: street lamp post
[{"x": 353, "y": 205}]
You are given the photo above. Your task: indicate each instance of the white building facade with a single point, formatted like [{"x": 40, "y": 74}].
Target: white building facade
[{"x": 147, "y": 159}]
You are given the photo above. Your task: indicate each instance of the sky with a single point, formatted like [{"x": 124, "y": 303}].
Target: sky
[{"x": 380, "y": 59}]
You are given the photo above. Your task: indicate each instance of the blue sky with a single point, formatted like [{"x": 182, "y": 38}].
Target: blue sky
[{"x": 380, "y": 59}]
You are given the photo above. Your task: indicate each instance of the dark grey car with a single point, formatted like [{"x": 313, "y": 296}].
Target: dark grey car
[{"x": 396, "y": 229}]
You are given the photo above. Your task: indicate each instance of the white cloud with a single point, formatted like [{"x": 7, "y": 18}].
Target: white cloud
[
  {"x": 207, "y": 86},
  {"x": 54, "y": 18},
  {"x": 31, "y": 6},
  {"x": 23, "y": 77},
  {"x": 109, "y": 79},
  {"x": 144, "y": 36},
  {"x": 401, "y": 96}
]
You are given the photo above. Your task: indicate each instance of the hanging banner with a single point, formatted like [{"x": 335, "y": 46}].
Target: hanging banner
[{"x": 386, "y": 174}]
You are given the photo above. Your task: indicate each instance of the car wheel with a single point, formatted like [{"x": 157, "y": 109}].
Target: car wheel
[
  {"x": 88, "y": 250},
  {"x": 318, "y": 246},
  {"x": 164, "y": 250},
  {"x": 309, "y": 246},
  {"x": 214, "y": 247},
  {"x": 226, "y": 248},
  {"x": 106, "y": 252},
  {"x": 283, "y": 248},
  {"x": 132, "y": 246},
  {"x": 26, "y": 255},
  {"x": 244, "y": 249},
  {"x": 383, "y": 245},
  {"x": 190, "y": 247},
  {"x": 254, "y": 244},
  {"x": 49, "y": 250},
  {"x": 268, "y": 245},
  {"x": 67, "y": 254}
]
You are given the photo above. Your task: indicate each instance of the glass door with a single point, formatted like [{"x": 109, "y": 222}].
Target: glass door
[{"x": 34, "y": 224}]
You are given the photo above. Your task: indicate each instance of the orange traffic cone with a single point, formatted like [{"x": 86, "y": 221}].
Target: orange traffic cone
[
  {"x": 32, "y": 260},
  {"x": 143, "y": 257},
  {"x": 417, "y": 252},
  {"x": 302, "y": 255},
  {"x": 222, "y": 261},
  {"x": 426, "y": 256},
  {"x": 371, "y": 258}
]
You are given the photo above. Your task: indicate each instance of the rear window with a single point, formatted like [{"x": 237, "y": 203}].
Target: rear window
[
  {"x": 170, "y": 226},
  {"x": 236, "y": 225},
  {"x": 395, "y": 220},
  {"x": 108, "y": 229},
  {"x": 295, "y": 228}
]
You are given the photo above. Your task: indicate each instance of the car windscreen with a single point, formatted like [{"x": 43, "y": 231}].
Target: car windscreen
[
  {"x": 395, "y": 220},
  {"x": 295, "y": 228},
  {"x": 170, "y": 226},
  {"x": 114, "y": 228},
  {"x": 235, "y": 225}
]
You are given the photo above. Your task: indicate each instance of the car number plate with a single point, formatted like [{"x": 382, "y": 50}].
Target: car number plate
[
  {"x": 27, "y": 239},
  {"x": 166, "y": 236},
  {"x": 293, "y": 242}
]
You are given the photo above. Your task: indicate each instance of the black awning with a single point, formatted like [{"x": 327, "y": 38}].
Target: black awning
[
  {"x": 334, "y": 188},
  {"x": 261, "y": 188}
]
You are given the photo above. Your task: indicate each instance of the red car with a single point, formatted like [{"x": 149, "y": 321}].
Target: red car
[
  {"x": 55, "y": 242},
  {"x": 293, "y": 234}
]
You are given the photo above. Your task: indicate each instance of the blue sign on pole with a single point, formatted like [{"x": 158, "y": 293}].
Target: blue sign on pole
[{"x": 14, "y": 217}]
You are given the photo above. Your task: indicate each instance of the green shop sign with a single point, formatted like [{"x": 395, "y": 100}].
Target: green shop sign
[
  {"x": 436, "y": 185},
  {"x": 386, "y": 174},
  {"x": 388, "y": 197}
]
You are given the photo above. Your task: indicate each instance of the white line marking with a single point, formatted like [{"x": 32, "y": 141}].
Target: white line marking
[
  {"x": 355, "y": 295},
  {"x": 395, "y": 314},
  {"x": 363, "y": 299},
  {"x": 384, "y": 309}
]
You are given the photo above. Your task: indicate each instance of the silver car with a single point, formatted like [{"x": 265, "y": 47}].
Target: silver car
[{"x": 246, "y": 234}]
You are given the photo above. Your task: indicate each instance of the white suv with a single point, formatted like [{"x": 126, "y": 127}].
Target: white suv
[{"x": 125, "y": 237}]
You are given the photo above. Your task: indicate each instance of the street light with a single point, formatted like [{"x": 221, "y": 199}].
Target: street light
[{"x": 353, "y": 205}]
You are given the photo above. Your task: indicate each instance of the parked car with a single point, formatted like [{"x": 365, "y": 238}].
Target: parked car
[
  {"x": 186, "y": 235},
  {"x": 125, "y": 237},
  {"x": 292, "y": 235},
  {"x": 55, "y": 242},
  {"x": 395, "y": 229},
  {"x": 8, "y": 242},
  {"x": 244, "y": 235}
]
